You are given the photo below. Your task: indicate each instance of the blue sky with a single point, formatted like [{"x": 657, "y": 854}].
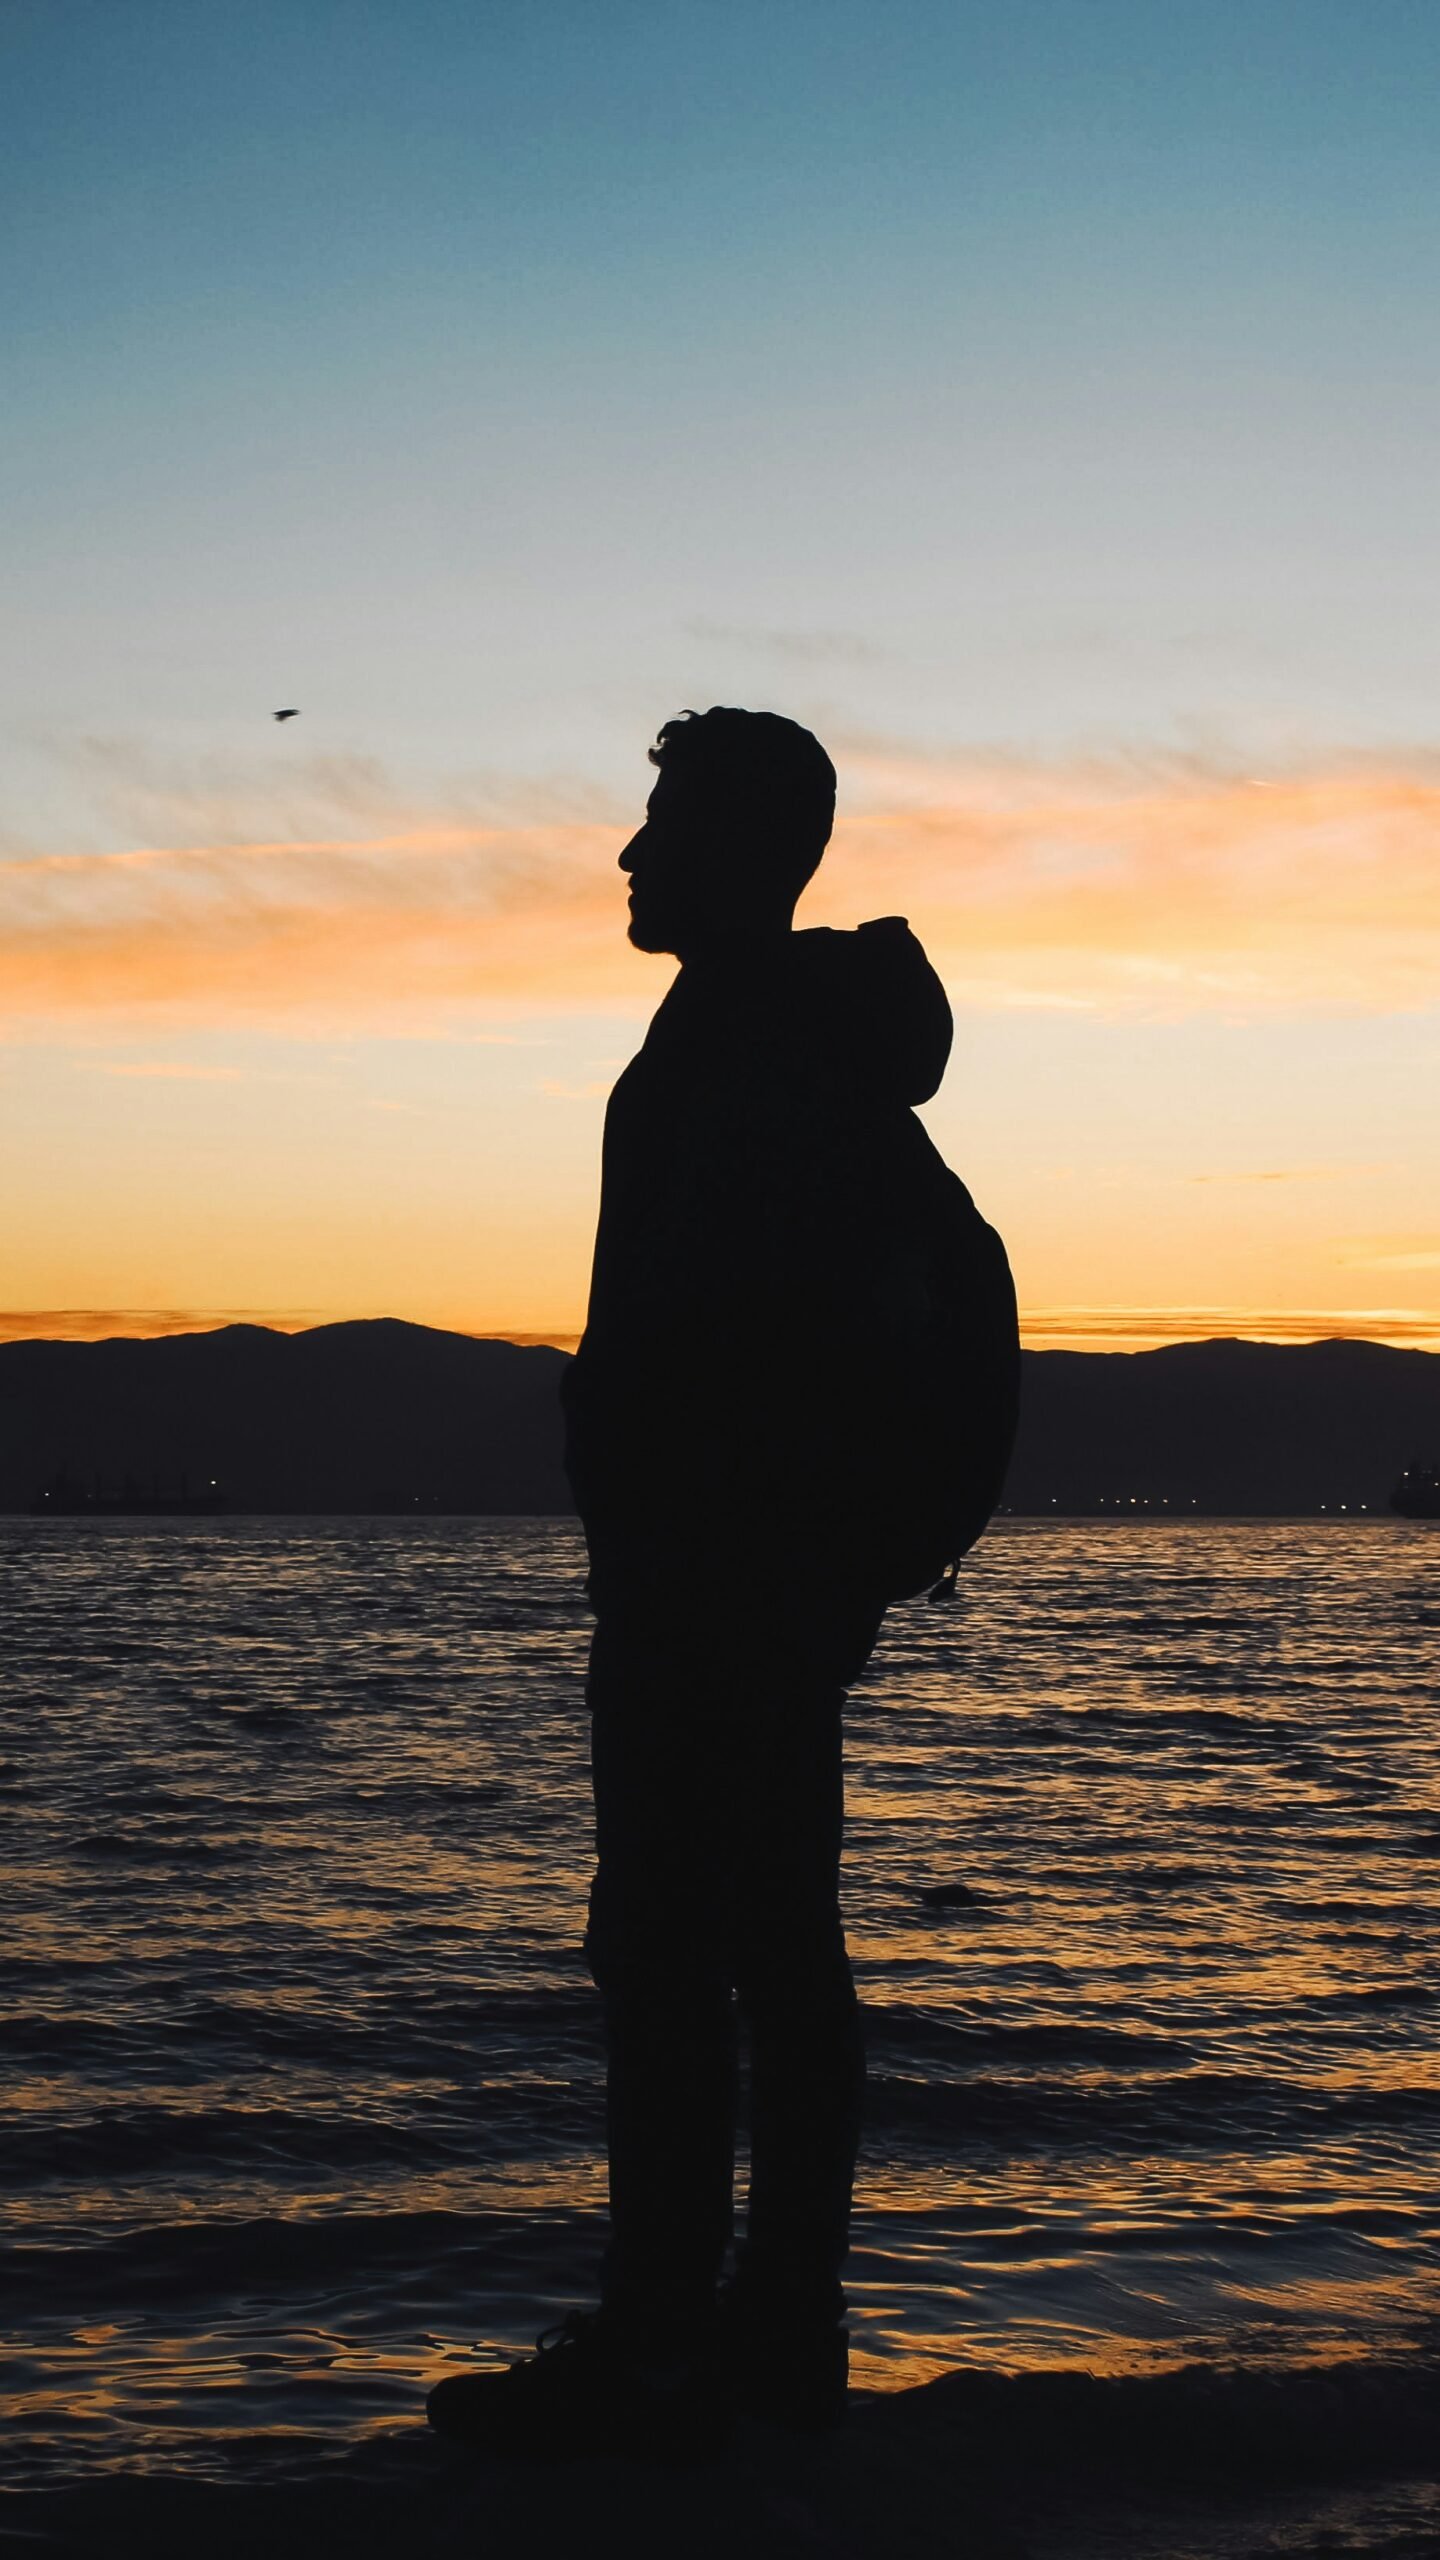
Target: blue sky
[{"x": 445, "y": 368}]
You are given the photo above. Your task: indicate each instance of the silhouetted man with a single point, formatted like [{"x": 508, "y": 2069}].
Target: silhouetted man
[{"x": 739, "y": 1295}]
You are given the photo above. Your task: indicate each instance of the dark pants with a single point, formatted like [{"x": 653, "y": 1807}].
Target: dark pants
[{"x": 719, "y": 1805}]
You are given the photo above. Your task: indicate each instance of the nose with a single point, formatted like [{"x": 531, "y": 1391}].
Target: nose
[{"x": 627, "y": 858}]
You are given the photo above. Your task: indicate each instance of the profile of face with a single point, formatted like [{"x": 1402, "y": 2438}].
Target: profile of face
[{"x": 682, "y": 871}]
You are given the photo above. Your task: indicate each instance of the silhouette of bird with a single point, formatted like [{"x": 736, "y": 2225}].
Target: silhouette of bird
[{"x": 288, "y": 715}]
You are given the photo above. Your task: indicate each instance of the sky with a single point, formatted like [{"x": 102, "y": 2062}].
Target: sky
[{"x": 1040, "y": 404}]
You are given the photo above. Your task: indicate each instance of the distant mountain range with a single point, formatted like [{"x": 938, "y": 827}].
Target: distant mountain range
[
  {"x": 1223, "y": 1427},
  {"x": 397, "y": 1417},
  {"x": 346, "y": 1417}
]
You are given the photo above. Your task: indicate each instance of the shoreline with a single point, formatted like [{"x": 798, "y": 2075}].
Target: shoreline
[{"x": 1041, "y": 2466}]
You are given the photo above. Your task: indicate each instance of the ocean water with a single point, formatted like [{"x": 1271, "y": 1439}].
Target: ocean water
[{"x": 302, "y": 2075}]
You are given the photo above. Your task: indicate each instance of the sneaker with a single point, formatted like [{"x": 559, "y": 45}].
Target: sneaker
[
  {"x": 583, "y": 2394},
  {"x": 792, "y": 2368}
]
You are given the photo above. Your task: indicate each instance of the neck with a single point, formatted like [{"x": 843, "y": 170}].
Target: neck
[{"x": 736, "y": 946}]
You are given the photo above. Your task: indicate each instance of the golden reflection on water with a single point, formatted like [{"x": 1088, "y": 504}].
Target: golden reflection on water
[{"x": 314, "y": 1797}]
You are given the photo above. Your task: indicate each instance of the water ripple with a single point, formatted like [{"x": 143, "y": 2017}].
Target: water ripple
[{"x": 303, "y": 2066}]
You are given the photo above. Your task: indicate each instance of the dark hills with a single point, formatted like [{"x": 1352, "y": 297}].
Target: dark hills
[
  {"x": 346, "y": 1417},
  {"x": 1223, "y": 1427},
  {"x": 386, "y": 1416}
]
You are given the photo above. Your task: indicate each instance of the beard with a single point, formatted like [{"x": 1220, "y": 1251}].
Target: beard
[{"x": 653, "y": 926}]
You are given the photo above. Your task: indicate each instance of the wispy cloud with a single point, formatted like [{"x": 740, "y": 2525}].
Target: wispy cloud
[
  {"x": 402, "y": 931},
  {"x": 802, "y": 648},
  {"x": 1152, "y": 887},
  {"x": 1295, "y": 1173},
  {"x": 225, "y": 797},
  {"x": 176, "y": 1068},
  {"x": 1159, "y": 885},
  {"x": 1392, "y": 1253}
]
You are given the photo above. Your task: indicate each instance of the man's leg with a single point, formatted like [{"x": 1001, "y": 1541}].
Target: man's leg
[
  {"x": 642, "y": 2376},
  {"x": 656, "y": 1945},
  {"x": 795, "y": 1982}
]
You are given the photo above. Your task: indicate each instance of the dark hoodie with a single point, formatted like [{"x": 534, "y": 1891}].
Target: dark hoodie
[{"x": 754, "y": 1173}]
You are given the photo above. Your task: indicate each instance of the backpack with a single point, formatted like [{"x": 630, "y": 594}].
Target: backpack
[{"x": 934, "y": 1400}]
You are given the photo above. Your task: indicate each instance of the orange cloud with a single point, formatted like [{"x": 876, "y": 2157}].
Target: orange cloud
[
  {"x": 177, "y": 1068},
  {"x": 384, "y": 933},
  {"x": 1297, "y": 1173},
  {"x": 1162, "y": 887},
  {"x": 1116, "y": 887},
  {"x": 1393, "y": 1253}
]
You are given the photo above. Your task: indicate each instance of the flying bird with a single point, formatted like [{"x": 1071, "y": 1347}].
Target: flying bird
[{"x": 288, "y": 715}]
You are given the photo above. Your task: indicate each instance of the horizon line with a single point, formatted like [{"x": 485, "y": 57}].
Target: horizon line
[{"x": 1118, "y": 1330}]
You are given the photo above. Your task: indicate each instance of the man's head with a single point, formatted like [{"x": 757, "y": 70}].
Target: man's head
[{"x": 738, "y": 819}]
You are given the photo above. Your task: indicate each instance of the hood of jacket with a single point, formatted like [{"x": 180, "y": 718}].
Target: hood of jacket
[
  {"x": 870, "y": 1006},
  {"x": 859, "y": 1012}
]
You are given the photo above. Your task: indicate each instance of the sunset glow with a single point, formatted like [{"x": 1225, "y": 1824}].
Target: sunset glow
[
  {"x": 1072, "y": 479},
  {"x": 443, "y": 1006}
]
